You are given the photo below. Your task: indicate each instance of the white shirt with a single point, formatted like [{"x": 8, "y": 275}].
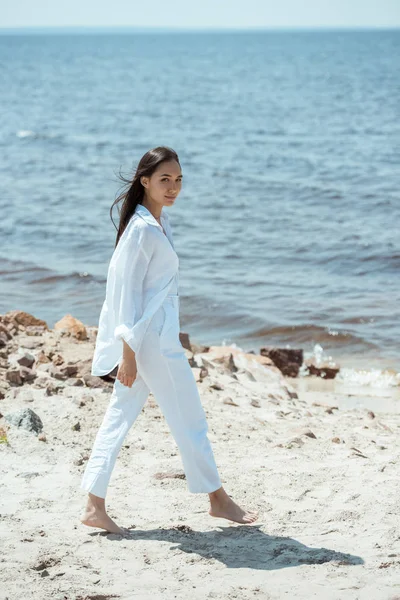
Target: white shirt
[{"x": 143, "y": 269}]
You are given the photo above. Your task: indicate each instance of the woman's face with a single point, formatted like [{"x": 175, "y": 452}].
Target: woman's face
[{"x": 164, "y": 184}]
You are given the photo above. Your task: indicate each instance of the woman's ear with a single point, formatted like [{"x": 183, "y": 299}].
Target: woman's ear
[{"x": 143, "y": 181}]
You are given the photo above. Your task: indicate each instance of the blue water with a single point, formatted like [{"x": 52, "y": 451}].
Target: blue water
[{"x": 287, "y": 223}]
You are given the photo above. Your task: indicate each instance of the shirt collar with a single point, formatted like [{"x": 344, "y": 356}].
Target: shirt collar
[{"x": 148, "y": 217}]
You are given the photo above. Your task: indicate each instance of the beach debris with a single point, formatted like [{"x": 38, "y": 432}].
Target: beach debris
[
  {"x": 70, "y": 326},
  {"x": 44, "y": 561},
  {"x": 293, "y": 442},
  {"x": 357, "y": 452},
  {"x": 169, "y": 475},
  {"x": 328, "y": 407},
  {"x": 183, "y": 528},
  {"x": 255, "y": 402},
  {"x": 216, "y": 386},
  {"x": 305, "y": 431},
  {"x": 288, "y": 360},
  {"x": 25, "y": 418},
  {"x": 228, "y": 400},
  {"x": 3, "y": 435}
]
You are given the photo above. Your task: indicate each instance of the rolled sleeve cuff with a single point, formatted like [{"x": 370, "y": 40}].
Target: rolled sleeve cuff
[{"x": 123, "y": 332}]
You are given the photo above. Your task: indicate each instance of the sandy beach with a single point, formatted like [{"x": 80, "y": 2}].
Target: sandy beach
[{"x": 317, "y": 458}]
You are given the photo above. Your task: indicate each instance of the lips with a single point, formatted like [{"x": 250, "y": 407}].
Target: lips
[{"x": 171, "y": 197}]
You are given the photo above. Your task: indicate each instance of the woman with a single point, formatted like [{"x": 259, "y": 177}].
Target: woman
[{"x": 139, "y": 332}]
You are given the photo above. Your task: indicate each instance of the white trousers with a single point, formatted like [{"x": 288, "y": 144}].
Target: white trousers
[{"x": 164, "y": 370}]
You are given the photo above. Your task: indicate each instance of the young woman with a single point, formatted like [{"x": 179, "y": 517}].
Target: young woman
[{"x": 139, "y": 332}]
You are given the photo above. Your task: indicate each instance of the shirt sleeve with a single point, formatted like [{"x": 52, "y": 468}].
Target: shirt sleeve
[{"x": 132, "y": 258}]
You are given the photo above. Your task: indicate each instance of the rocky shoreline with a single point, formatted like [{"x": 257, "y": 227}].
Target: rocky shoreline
[{"x": 324, "y": 479}]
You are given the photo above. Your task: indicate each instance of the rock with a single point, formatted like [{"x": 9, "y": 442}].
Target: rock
[
  {"x": 233, "y": 359},
  {"x": 287, "y": 360},
  {"x": 26, "y": 360},
  {"x": 76, "y": 426},
  {"x": 3, "y": 389},
  {"x": 27, "y": 374},
  {"x": 13, "y": 376},
  {"x": 185, "y": 341},
  {"x": 21, "y": 319},
  {"x": 3, "y": 339},
  {"x": 52, "y": 388},
  {"x": 326, "y": 370},
  {"x": 42, "y": 358},
  {"x": 198, "y": 348},
  {"x": 203, "y": 373},
  {"x": 57, "y": 359},
  {"x": 71, "y": 326},
  {"x": 81, "y": 460},
  {"x": 74, "y": 382},
  {"x": 57, "y": 373},
  {"x": 93, "y": 381},
  {"x": 69, "y": 370},
  {"x": 5, "y": 331},
  {"x": 255, "y": 402},
  {"x": 27, "y": 419},
  {"x": 42, "y": 437}
]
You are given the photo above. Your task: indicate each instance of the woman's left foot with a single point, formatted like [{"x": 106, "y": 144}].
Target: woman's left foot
[{"x": 228, "y": 509}]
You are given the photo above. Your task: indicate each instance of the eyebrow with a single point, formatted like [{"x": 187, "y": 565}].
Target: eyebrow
[{"x": 168, "y": 175}]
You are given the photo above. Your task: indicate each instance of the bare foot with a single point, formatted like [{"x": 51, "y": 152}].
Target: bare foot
[
  {"x": 95, "y": 519},
  {"x": 223, "y": 507},
  {"x": 95, "y": 516}
]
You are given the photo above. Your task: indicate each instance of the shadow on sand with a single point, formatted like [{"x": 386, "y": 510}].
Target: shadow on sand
[{"x": 240, "y": 546}]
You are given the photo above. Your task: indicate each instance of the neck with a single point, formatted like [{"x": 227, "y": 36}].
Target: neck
[{"x": 154, "y": 208}]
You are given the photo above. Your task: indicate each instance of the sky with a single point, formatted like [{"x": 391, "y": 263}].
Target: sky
[{"x": 181, "y": 14}]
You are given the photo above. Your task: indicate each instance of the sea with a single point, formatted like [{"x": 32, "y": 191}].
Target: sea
[{"x": 287, "y": 225}]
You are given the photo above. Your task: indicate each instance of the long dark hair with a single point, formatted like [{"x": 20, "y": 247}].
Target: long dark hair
[{"x": 133, "y": 190}]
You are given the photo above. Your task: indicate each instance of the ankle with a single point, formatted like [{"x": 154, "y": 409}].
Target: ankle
[
  {"x": 95, "y": 503},
  {"x": 218, "y": 496}
]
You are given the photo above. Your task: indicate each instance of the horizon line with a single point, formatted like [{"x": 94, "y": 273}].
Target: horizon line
[{"x": 205, "y": 28}]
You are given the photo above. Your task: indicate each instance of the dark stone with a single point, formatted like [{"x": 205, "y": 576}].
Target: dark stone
[
  {"x": 288, "y": 360},
  {"x": 27, "y": 419}
]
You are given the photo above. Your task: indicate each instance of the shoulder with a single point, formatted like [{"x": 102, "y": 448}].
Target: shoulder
[{"x": 137, "y": 235}]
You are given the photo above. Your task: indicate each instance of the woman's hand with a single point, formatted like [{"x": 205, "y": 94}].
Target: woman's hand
[{"x": 127, "y": 370}]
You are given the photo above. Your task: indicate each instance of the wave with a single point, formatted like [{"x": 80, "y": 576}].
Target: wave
[{"x": 301, "y": 334}]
